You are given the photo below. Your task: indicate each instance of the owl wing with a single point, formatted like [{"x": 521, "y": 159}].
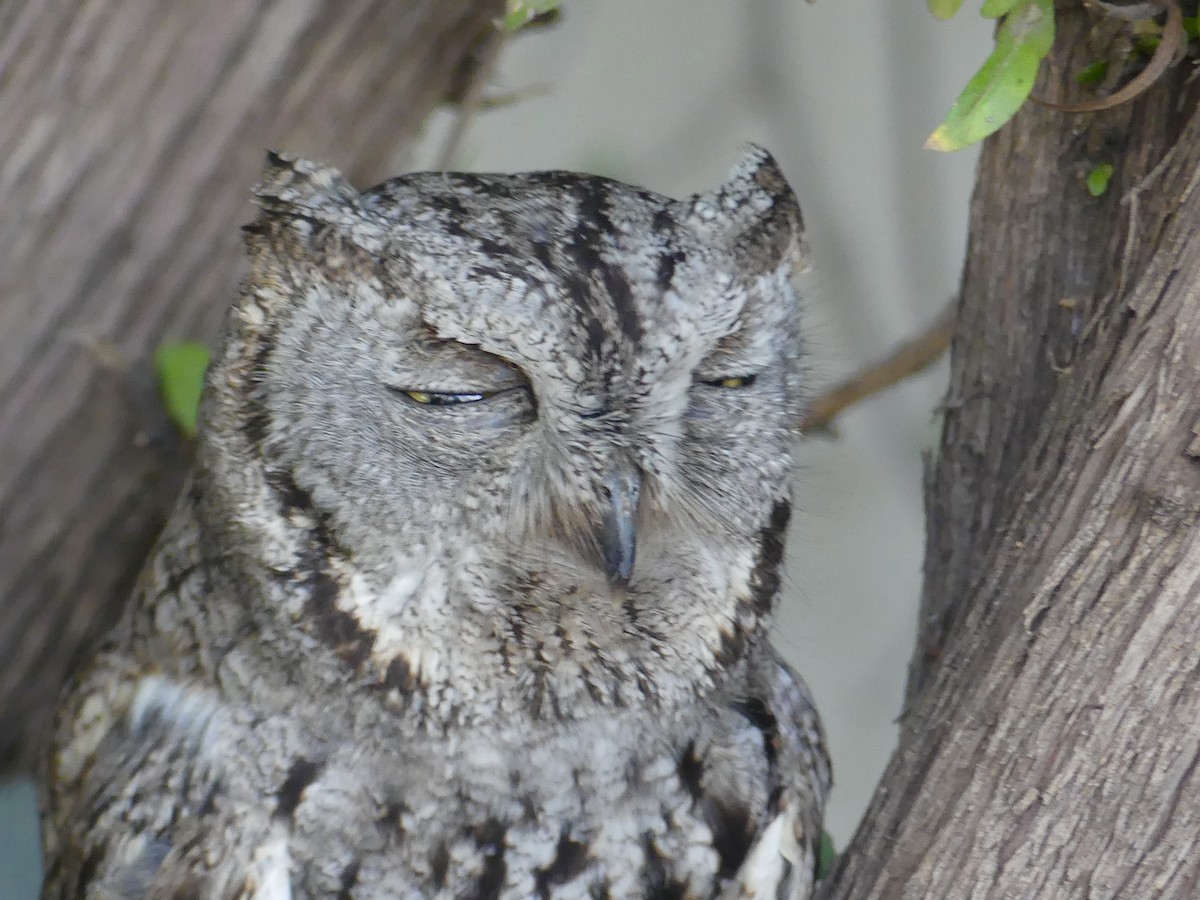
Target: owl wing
[
  {"x": 140, "y": 807},
  {"x": 782, "y": 861}
]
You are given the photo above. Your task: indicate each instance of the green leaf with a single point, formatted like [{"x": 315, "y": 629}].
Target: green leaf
[
  {"x": 180, "y": 369},
  {"x": 944, "y": 9},
  {"x": 998, "y": 89},
  {"x": 1191, "y": 25},
  {"x": 1146, "y": 44},
  {"x": 517, "y": 13},
  {"x": 1093, "y": 73},
  {"x": 994, "y": 9},
  {"x": 826, "y": 856},
  {"x": 1098, "y": 179}
]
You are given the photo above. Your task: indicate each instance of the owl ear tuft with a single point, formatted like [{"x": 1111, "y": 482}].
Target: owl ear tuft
[
  {"x": 754, "y": 211},
  {"x": 301, "y": 187},
  {"x": 304, "y": 204}
]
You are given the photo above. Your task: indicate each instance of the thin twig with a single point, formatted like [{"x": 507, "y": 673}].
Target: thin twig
[
  {"x": 506, "y": 99},
  {"x": 472, "y": 98},
  {"x": 1133, "y": 198},
  {"x": 913, "y": 356},
  {"x": 1170, "y": 50}
]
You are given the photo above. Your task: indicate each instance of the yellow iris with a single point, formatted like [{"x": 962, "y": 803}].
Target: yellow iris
[
  {"x": 434, "y": 398},
  {"x": 735, "y": 381}
]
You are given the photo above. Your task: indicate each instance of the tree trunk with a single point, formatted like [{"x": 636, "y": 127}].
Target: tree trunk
[
  {"x": 132, "y": 132},
  {"x": 1052, "y": 734}
]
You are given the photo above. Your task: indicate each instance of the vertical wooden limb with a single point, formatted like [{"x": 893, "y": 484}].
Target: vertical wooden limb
[
  {"x": 132, "y": 132},
  {"x": 1048, "y": 747}
]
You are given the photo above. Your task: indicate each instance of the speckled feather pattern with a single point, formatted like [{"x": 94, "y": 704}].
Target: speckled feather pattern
[{"x": 380, "y": 649}]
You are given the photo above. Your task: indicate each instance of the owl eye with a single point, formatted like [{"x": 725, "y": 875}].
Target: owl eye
[
  {"x": 435, "y": 398},
  {"x": 733, "y": 381}
]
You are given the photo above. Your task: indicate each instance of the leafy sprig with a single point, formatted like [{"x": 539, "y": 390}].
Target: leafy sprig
[{"x": 1005, "y": 80}]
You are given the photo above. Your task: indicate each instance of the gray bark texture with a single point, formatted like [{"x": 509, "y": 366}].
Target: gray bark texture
[
  {"x": 1050, "y": 743},
  {"x": 132, "y": 131}
]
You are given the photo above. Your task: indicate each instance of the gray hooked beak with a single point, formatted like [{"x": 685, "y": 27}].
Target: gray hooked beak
[{"x": 618, "y": 527}]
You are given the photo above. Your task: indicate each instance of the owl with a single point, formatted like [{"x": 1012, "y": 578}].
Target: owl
[{"x": 468, "y": 592}]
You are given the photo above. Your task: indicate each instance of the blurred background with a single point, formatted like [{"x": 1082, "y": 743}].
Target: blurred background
[{"x": 843, "y": 93}]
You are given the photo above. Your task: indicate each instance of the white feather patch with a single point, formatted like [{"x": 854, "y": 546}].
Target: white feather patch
[
  {"x": 186, "y": 711},
  {"x": 763, "y": 871},
  {"x": 270, "y": 869}
]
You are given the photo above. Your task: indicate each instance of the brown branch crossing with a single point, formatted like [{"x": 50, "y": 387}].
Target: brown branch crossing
[
  {"x": 1170, "y": 50},
  {"x": 913, "y": 356}
]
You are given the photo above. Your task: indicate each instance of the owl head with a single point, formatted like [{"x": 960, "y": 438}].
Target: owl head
[{"x": 500, "y": 407}]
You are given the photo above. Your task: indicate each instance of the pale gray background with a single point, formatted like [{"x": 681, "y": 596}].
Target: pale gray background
[{"x": 843, "y": 92}]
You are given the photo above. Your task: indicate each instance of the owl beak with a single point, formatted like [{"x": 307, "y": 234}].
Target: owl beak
[{"x": 618, "y": 528}]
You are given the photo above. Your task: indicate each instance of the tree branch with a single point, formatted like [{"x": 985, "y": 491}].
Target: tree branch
[
  {"x": 125, "y": 173},
  {"x": 1049, "y": 746},
  {"x": 910, "y": 358}
]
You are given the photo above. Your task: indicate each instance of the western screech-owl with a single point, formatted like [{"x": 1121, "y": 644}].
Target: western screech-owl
[{"x": 468, "y": 593}]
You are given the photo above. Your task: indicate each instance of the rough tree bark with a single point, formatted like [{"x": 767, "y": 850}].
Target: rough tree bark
[
  {"x": 132, "y": 130},
  {"x": 1050, "y": 743}
]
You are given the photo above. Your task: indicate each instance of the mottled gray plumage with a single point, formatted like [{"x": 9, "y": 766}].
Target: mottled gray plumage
[{"x": 469, "y": 591}]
